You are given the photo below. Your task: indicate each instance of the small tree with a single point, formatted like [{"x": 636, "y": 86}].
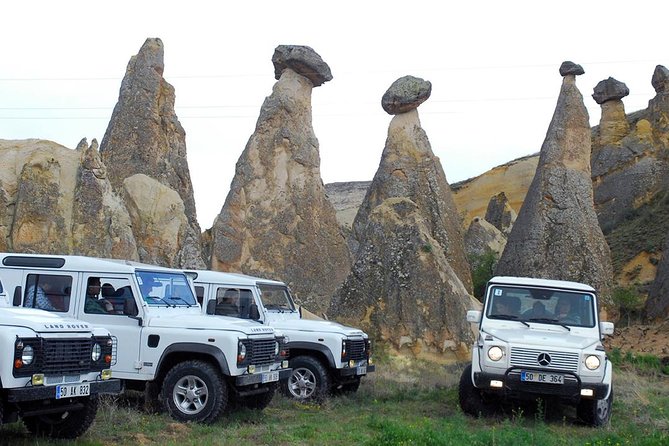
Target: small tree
[
  {"x": 483, "y": 267},
  {"x": 629, "y": 302}
]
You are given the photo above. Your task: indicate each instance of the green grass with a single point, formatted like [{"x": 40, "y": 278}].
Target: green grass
[{"x": 395, "y": 407}]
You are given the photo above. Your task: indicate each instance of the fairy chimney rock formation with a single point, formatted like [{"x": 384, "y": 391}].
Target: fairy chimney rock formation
[
  {"x": 410, "y": 281},
  {"x": 406, "y": 94},
  {"x": 660, "y": 79},
  {"x": 145, "y": 137},
  {"x": 613, "y": 125},
  {"x": 276, "y": 221},
  {"x": 500, "y": 213},
  {"x": 557, "y": 235}
]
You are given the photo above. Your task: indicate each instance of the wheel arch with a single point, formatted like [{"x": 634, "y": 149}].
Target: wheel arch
[
  {"x": 318, "y": 351},
  {"x": 188, "y": 351}
]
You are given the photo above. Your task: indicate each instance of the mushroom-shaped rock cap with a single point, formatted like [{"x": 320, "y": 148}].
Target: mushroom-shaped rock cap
[
  {"x": 569, "y": 67},
  {"x": 405, "y": 94},
  {"x": 610, "y": 89},
  {"x": 660, "y": 79},
  {"x": 303, "y": 60}
]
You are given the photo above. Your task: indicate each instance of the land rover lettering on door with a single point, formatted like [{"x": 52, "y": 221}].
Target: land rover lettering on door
[
  {"x": 196, "y": 365},
  {"x": 325, "y": 356},
  {"x": 51, "y": 370},
  {"x": 539, "y": 339}
]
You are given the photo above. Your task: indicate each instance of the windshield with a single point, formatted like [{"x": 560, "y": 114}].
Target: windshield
[
  {"x": 276, "y": 297},
  {"x": 165, "y": 288},
  {"x": 541, "y": 305}
]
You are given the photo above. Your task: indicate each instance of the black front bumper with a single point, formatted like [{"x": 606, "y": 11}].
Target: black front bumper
[
  {"x": 513, "y": 387},
  {"x": 352, "y": 371},
  {"x": 256, "y": 378},
  {"x": 35, "y": 393}
]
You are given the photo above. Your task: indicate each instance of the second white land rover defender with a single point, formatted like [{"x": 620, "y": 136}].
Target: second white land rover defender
[
  {"x": 325, "y": 356},
  {"x": 539, "y": 339}
]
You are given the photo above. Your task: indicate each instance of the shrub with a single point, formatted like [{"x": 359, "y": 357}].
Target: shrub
[{"x": 483, "y": 268}]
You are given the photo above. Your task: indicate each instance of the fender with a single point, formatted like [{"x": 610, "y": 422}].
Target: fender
[
  {"x": 314, "y": 346},
  {"x": 192, "y": 347}
]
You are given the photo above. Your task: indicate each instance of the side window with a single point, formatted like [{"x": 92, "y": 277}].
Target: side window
[
  {"x": 233, "y": 302},
  {"x": 199, "y": 294},
  {"x": 48, "y": 292},
  {"x": 109, "y": 295}
]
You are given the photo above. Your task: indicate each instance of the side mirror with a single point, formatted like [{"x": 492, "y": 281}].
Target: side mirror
[
  {"x": 211, "y": 307},
  {"x": 606, "y": 328},
  {"x": 473, "y": 316},
  {"x": 17, "y": 297},
  {"x": 253, "y": 312}
]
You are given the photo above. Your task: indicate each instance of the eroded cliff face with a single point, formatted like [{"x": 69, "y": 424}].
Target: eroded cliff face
[
  {"x": 145, "y": 137},
  {"x": 276, "y": 221},
  {"x": 59, "y": 201}
]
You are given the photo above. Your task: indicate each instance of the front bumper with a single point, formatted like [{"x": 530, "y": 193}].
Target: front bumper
[
  {"x": 256, "y": 378},
  {"x": 35, "y": 393},
  {"x": 513, "y": 387},
  {"x": 353, "y": 371}
]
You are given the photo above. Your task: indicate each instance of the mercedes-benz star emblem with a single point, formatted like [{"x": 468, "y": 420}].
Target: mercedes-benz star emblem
[{"x": 544, "y": 359}]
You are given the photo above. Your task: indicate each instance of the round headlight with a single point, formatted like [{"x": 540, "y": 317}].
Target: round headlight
[
  {"x": 276, "y": 348},
  {"x": 495, "y": 353},
  {"x": 241, "y": 349},
  {"x": 96, "y": 353},
  {"x": 28, "y": 355},
  {"x": 592, "y": 362}
]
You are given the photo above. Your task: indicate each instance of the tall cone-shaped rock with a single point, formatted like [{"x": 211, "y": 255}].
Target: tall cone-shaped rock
[
  {"x": 144, "y": 136},
  {"x": 405, "y": 285},
  {"x": 657, "y": 304},
  {"x": 557, "y": 235},
  {"x": 408, "y": 168},
  {"x": 276, "y": 220}
]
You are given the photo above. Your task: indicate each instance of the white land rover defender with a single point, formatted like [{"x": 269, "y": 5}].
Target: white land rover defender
[
  {"x": 197, "y": 365},
  {"x": 539, "y": 339},
  {"x": 52, "y": 370},
  {"x": 324, "y": 356}
]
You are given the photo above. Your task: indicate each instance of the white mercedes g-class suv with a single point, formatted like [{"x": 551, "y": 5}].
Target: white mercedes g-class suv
[
  {"x": 52, "y": 370},
  {"x": 539, "y": 339},
  {"x": 197, "y": 365},
  {"x": 324, "y": 356}
]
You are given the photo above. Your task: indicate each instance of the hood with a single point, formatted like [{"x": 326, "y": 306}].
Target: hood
[
  {"x": 207, "y": 322},
  {"x": 41, "y": 321},
  {"x": 556, "y": 337},
  {"x": 316, "y": 326}
]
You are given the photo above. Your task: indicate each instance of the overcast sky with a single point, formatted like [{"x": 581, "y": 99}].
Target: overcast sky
[{"x": 493, "y": 67}]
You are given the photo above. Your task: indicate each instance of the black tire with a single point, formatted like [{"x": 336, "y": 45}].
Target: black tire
[
  {"x": 68, "y": 424},
  {"x": 194, "y": 391},
  {"x": 260, "y": 401},
  {"x": 309, "y": 380},
  {"x": 595, "y": 412},
  {"x": 471, "y": 399}
]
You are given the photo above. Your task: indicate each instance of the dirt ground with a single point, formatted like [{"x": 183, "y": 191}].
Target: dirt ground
[{"x": 648, "y": 339}]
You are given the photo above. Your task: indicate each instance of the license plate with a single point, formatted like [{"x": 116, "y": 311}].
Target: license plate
[
  {"x": 73, "y": 390},
  {"x": 270, "y": 377},
  {"x": 539, "y": 377},
  {"x": 361, "y": 370}
]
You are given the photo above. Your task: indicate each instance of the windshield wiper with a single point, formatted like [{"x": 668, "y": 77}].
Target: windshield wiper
[
  {"x": 549, "y": 321},
  {"x": 182, "y": 300},
  {"x": 508, "y": 317},
  {"x": 160, "y": 299}
]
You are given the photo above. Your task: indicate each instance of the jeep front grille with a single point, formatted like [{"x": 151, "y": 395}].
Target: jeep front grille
[
  {"x": 355, "y": 349},
  {"x": 528, "y": 357},
  {"x": 261, "y": 351},
  {"x": 66, "y": 356}
]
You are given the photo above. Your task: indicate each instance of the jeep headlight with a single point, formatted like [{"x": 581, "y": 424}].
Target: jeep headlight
[
  {"x": 592, "y": 362},
  {"x": 495, "y": 353},
  {"x": 28, "y": 355},
  {"x": 96, "y": 352},
  {"x": 241, "y": 351},
  {"x": 276, "y": 348}
]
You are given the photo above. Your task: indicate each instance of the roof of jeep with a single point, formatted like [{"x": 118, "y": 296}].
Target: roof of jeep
[
  {"x": 206, "y": 276},
  {"x": 82, "y": 263},
  {"x": 544, "y": 283}
]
